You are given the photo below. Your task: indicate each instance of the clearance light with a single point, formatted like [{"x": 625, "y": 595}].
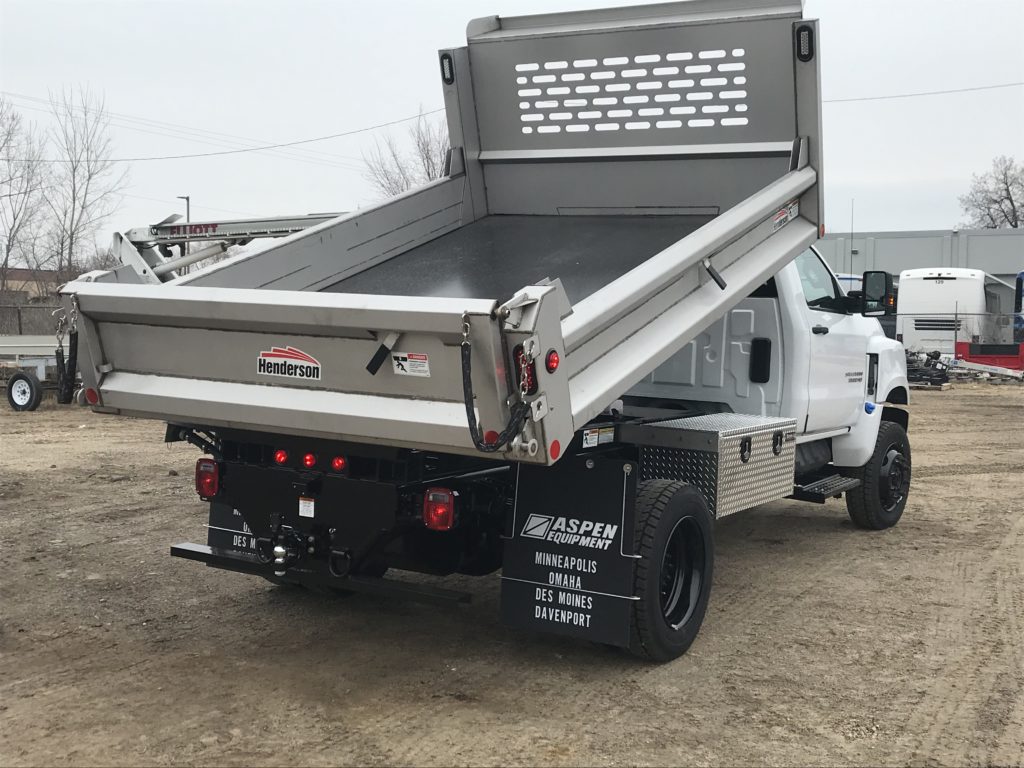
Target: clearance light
[
  {"x": 280, "y": 457},
  {"x": 338, "y": 463},
  {"x": 207, "y": 478},
  {"x": 309, "y": 460},
  {"x": 551, "y": 361},
  {"x": 439, "y": 509}
]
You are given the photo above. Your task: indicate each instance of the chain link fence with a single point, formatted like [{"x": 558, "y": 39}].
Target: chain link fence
[{"x": 27, "y": 319}]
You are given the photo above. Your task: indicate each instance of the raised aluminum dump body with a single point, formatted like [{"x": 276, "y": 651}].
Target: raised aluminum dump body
[{"x": 618, "y": 180}]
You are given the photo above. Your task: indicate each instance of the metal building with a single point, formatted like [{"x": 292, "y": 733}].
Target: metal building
[{"x": 999, "y": 252}]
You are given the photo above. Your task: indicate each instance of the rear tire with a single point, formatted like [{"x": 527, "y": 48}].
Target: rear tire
[
  {"x": 24, "y": 392},
  {"x": 879, "y": 501},
  {"x": 675, "y": 540}
]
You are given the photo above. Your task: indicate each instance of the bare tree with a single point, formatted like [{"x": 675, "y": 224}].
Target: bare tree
[
  {"x": 393, "y": 170},
  {"x": 10, "y": 122},
  {"x": 23, "y": 173},
  {"x": 86, "y": 181},
  {"x": 996, "y": 198}
]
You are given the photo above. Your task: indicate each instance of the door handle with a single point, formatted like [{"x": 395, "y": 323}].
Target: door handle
[{"x": 820, "y": 330}]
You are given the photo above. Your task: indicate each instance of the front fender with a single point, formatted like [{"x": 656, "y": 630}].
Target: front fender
[
  {"x": 893, "y": 386},
  {"x": 855, "y": 448}
]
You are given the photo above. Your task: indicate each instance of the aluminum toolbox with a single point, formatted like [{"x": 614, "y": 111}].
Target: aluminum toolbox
[{"x": 737, "y": 461}]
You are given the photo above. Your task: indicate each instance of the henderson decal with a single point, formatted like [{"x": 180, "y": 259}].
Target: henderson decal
[
  {"x": 569, "y": 530},
  {"x": 289, "y": 362}
]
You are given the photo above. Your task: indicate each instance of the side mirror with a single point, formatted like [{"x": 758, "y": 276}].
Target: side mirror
[{"x": 878, "y": 297}]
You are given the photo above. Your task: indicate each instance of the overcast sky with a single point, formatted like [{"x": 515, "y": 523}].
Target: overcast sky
[{"x": 266, "y": 72}]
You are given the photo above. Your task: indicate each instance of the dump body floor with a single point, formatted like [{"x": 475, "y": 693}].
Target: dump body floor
[{"x": 494, "y": 257}]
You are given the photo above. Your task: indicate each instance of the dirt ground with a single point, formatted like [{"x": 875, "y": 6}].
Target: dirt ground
[{"x": 823, "y": 644}]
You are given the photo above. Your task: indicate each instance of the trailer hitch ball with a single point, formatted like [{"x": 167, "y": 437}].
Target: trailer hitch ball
[{"x": 280, "y": 559}]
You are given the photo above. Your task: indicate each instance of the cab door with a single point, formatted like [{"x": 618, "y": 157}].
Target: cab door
[{"x": 836, "y": 379}]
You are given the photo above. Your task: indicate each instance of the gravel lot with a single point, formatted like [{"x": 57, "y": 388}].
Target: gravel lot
[{"x": 823, "y": 644}]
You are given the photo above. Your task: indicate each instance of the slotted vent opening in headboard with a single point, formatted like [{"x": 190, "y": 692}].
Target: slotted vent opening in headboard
[
  {"x": 553, "y": 88},
  {"x": 639, "y": 92}
]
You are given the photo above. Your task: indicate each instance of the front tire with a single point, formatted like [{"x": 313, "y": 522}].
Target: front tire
[
  {"x": 24, "y": 392},
  {"x": 675, "y": 541},
  {"x": 879, "y": 501}
]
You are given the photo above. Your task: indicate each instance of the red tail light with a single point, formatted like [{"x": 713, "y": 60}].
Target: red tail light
[
  {"x": 338, "y": 463},
  {"x": 92, "y": 397},
  {"x": 309, "y": 460},
  {"x": 207, "y": 478},
  {"x": 439, "y": 509},
  {"x": 531, "y": 371},
  {"x": 552, "y": 360},
  {"x": 280, "y": 457}
]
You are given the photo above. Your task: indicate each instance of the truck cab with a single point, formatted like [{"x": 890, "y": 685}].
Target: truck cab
[{"x": 797, "y": 347}]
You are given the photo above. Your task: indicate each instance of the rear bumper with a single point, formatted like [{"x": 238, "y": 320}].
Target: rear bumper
[{"x": 242, "y": 563}]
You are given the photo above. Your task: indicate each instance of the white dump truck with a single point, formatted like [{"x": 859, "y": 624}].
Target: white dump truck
[{"x": 601, "y": 330}]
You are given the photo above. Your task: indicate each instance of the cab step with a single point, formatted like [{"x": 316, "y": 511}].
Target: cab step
[{"x": 821, "y": 488}]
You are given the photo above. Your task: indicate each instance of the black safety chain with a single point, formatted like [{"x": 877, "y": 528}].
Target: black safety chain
[
  {"x": 67, "y": 369},
  {"x": 519, "y": 411}
]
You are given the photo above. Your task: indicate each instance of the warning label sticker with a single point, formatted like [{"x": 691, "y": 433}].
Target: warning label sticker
[
  {"x": 306, "y": 506},
  {"x": 596, "y": 436},
  {"x": 785, "y": 215},
  {"x": 410, "y": 364}
]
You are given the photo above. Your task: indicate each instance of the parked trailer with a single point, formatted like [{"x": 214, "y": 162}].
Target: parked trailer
[
  {"x": 23, "y": 364},
  {"x": 599, "y": 331}
]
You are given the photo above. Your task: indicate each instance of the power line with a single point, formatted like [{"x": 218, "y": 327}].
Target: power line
[
  {"x": 924, "y": 93},
  {"x": 196, "y": 135},
  {"x": 177, "y": 127},
  {"x": 265, "y": 147},
  {"x": 268, "y": 147},
  {"x": 195, "y": 205},
  {"x": 214, "y": 143}
]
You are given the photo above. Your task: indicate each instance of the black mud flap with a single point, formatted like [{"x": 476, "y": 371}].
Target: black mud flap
[
  {"x": 227, "y": 530},
  {"x": 569, "y": 559}
]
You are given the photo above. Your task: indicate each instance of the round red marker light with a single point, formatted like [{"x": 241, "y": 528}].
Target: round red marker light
[
  {"x": 309, "y": 460},
  {"x": 92, "y": 397},
  {"x": 552, "y": 360},
  {"x": 280, "y": 457},
  {"x": 490, "y": 437},
  {"x": 338, "y": 463},
  {"x": 555, "y": 450}
]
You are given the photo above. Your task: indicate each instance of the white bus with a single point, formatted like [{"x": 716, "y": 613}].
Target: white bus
[{"x": 939, "y": 306}]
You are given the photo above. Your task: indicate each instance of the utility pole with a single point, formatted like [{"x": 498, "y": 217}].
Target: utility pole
[
  {"x": 188, "y": 220},
  {"x": 851, "y": 238}
]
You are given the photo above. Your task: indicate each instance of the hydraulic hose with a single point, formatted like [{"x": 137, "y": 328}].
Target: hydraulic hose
[{"x": 519, "y": 410}]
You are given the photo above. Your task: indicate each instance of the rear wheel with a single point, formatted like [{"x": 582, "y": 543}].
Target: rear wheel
[
  {"x": 674, "y": 538},
  {"x": 879, "y": 501},
  {"x": 24, "y": 392}
]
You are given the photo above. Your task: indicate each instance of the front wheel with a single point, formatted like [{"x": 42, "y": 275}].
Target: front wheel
[
  {"x": 674, "y": 538},
  {"x": 879, "y": 501}
]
